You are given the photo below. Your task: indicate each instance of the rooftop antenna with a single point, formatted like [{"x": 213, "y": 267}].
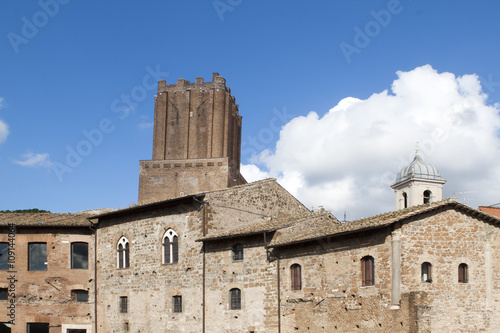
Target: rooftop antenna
[{"x": 464, "y": 197}]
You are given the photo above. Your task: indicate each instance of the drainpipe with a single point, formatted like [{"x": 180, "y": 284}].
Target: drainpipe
[
  {"x": 279, "y": 294},
  {"x": 396, "y": 270},
  {"x": 92, "y": 227},
  {"x": 204, "y": 248}
]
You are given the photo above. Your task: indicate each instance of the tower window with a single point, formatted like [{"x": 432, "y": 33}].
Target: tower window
[
  {"x": 368, "y": 271},
  {"x": 405, "y": 199},
  {"x": 170, "y": 247},
  {"x": 463, "y": 273},
  {"x": 123, "y": 253},
  {"x": 235, "y": 301},
  {"x": 296, "y": 273},
  {"x": 238, "y": 252},
  {"x": 426, "y": 272},
  {"x": 427, "y": 196}
]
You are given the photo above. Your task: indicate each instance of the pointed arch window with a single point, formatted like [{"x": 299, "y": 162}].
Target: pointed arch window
[
  {"x": 170, "y": 247},
  {"x": 123, "y": 256},
  {"x": 296, "y": 274},
  {"x": 368, "y": 271},
  {"x": 427, "y": 196}
]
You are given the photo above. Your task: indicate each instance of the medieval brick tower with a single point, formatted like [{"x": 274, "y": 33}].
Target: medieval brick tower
[{"x": 197, "y": 141}]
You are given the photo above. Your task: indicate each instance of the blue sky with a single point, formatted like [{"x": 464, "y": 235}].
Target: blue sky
[{"x": 67, "y": 67}]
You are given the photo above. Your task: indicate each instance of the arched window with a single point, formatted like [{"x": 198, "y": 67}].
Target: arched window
[
  {"x": 170, "y": 247},
  {"x": 368, "y": 271},
  {"x": 238, "y": 252},
  {"x": 427, "y": 196},
  {"x": 296, "y": 273},
  {"x": 463, "y": 273},
  {"x": 235, "y": 301},
  {"x": 405, "y": 199},
  {"x": 426, "y": 272},
  {"x": 123, "y": 253}
]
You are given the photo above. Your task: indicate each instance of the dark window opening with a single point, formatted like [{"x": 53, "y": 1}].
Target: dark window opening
[
  {"x": 4, "y": 295},
  {"x": 37, "y": 256},
  {"x": 426, "y": 272},
  {"x": 72, "y": 330},
  {"x": 427, "y": 196},
  {"x": 4, "y": 257},
  {"x": 368, "y": 271},
  {"x": 175, "y": 249},
  {"x": 296, "y": 272},
  {"x": 37, "y": 328},
  {"x": 5, "y": 327},
  {"x": 80, "y": 295},
  {"x": 235, "y": 294},
  {"x": 79, "y": 255},
  {"x": 463, "y": 273},
  {"x": 405, "y": 198},
  {"x": 177, "y": 300},
  {"x": 123, "y": 304},
  {"x": 238, "y": 252}
]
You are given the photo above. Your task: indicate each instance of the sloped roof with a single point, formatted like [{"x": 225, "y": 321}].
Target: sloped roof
[
  {"x": 270, "y": 225},
  {"x": 286, "y": 237},
  {"x": 45, "y": 219}
]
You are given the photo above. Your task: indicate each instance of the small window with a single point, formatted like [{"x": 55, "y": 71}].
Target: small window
[
  {"x": 427, "y": 196},
  {"x": 177, "y": 300},
  {"x": 37, "y": 328},
  {"x": 80, "y": 295},
  {"x": 235, "y": 295},
  {"x": 296, "y": 272},
  {"x": 72, "y": 330},
  {"x": 4, "y": 257},
  {"x": 405, "y": 199},
  {"x": 123, "y": 253},
  {"x": 79, "y": 255},
  {"x": 170, "y": 247},
  {"x": 463, "y": 273},
  {"x": 3, "y": 295},
  {"x": 426, "y": 272},
  {"x": 238, "y": 252},
  {"x": 368, "y": 271},
  {"x": 37, "y": 256},
  {"x": 123, "y": 304}
]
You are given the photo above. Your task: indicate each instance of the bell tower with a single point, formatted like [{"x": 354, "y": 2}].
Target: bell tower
[
  {"x": 418, "y": 183},
  {"x": 196, "y": 143}
]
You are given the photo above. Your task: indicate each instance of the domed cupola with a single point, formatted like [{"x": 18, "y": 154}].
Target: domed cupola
[{"x": 418, "y": 183}]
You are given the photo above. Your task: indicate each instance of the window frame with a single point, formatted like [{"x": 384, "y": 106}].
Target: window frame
[
  {"x": 73, "y": 255},
  {"x": 426, "y": 272},
  {"x": 75, "y": 293},
  {"x": 28, "y": 326},
  {"x": 367, "y": 271},
  {"x": 4, "y": 292},
  {"x": 235, "y": 299},
  {"x": 296, "y": 277},
  {"x": 123, "y": 305},
  {"x": 463, "y": 273},
  {"x": 30, "y": 256},
  {"x": 4, "y": 255},
  {"x": 238, "y": 253},
  {"x": 123, "y": 253},
  {"x": 177, "y": 304},
  {"x": 170, "y": 247}
]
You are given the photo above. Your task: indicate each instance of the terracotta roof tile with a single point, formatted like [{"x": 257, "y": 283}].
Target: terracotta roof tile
[{"x": 45, "y": 219}]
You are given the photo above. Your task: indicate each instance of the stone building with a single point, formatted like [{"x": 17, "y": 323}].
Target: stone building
[
  {"x": 204, "y": 251},
  {"x": 46, "y": 273}
]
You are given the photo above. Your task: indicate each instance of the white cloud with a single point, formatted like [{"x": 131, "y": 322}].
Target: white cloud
[
  {"x": 145, "y": 125},
  {"x": 31, "y": 159},
  {"x": 347, "y": 159},
  {"x": 4, "y": 129}
]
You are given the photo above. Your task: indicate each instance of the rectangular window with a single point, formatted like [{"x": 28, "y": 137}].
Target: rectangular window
[
  {"x": 80, "y": 295},
  {"x": 76, "y": 331},
  {"x": 37, "y": 328},
  {"x": 3, "y": 296},
  {"x": 177, "y": 304},
  {"x": 123, "y": 304},
  {"x": 235, "y": 295},
  {"x": 4, "y": 257},
  {"x": 79, "y": 255},
  {"x": 37, "y": 256}
]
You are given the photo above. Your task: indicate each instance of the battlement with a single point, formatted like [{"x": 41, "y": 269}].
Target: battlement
[{"x": 218, "y": 82}]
